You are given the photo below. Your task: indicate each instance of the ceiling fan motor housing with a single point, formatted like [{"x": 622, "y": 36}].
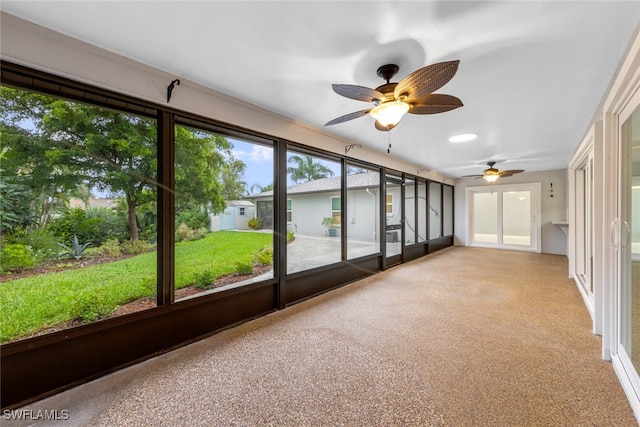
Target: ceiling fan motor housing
[{"x": 388, "y": 71}]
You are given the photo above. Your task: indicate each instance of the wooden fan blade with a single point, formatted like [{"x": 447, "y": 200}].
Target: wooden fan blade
[
  {"x": 348, "y": 117},
  {"x": 511, "y": 172},
  {"x": 359, "y": 93},
  {"x": 426, "y": 80},
  {"x": 471, "y": 176},
  {"x": 434, "y": 103}
]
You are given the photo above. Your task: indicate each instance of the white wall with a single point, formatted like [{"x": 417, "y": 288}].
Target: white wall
[{"x": 554, "y": 241}]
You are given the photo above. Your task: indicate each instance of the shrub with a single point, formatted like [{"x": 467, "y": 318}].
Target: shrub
[
  {"x": 290, "y": 236},
  {"x": 254, "y": 224},
  {"x": 244, "y": 268},
  {"x": 16, "y": 257},
  {"x": 193, "y": 219},
  {"x": 184, "y": 233},
  {"x": 75, "y": 222},
  {"x": 200, "y": 233},
  {"x": 203, "y": 279},
  {"x": 110, "y": 249},
  {"x": 265, "y": 256},
  {"x": 42, "y": 242},
  {"x": 109, "y": 225},
  {"x": 135, "y": 247}
]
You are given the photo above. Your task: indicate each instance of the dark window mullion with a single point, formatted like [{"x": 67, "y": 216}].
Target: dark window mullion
[{"x": 166, "y": 208}]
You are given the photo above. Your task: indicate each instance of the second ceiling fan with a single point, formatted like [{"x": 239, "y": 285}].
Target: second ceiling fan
[
  {"x": 413, "y": 94},
  {"x": 492, "y": 174}
]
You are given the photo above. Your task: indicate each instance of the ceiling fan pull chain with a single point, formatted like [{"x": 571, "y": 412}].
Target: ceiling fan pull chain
[{"x": 389, "y": 141}]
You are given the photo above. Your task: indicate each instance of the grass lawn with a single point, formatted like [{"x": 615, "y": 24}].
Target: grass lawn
[{"x": 90, "y": 293}]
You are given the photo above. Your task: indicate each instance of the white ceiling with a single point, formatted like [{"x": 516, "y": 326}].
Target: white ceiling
[{"x": 531, "y": 75}]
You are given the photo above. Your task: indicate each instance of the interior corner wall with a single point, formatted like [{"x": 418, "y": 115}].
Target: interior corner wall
[{"x": 554, "y": 240}]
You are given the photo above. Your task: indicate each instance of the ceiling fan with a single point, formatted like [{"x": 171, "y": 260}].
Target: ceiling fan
[
  {"x": 492, "y": 174},
  {"x": 413, "y": 94}
]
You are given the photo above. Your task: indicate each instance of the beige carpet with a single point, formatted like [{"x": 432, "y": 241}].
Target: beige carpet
[{"x": 464, "y": 337}]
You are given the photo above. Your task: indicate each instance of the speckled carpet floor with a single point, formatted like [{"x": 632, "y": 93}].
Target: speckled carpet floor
[{"x": 463, "y": 337}]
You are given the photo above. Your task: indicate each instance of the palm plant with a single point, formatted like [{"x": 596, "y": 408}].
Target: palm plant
[{"x": 306, "y": 169}]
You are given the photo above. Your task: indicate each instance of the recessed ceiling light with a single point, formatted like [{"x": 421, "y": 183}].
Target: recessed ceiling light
[{"x": 464, "y": 137}]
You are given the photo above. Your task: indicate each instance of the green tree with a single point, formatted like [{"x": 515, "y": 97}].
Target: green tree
[
  {"x": 14, "y": 199},
  {"x": 306, "y": 169},
  {"x": 232, "y": 187},
  {"x": 200, "y": 158},
  {"x": 113, "y": 151},
  {"x": 67, "y": 148},
  {"x": 21, "y": 115}
]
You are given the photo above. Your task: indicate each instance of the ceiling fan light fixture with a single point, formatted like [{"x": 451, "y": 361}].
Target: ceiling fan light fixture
[
  {"x": 389, "y": 113},
  {"x": 491, "y": 176}
]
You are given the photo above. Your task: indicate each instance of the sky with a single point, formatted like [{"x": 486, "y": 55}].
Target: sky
[{"x": 259, "y": 161}]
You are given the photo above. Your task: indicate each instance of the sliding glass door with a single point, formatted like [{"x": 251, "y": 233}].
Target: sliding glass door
[
  {"x": 505, "y": 216},
  {"x": 627, "y": 242}
]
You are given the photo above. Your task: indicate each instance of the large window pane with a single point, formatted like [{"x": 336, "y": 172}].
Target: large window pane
[
  {"x": 447, "y": 210},
  {"x": 313, "y": 186},
  {"x": 421, "y": 201},
  {"x": 410, "y": 226},
  {"x": 363, "y": 211},
  {"x": 435, "y": 210},
  {"x": 78, "y": 214},
  {"x": 224, "y": 212}
]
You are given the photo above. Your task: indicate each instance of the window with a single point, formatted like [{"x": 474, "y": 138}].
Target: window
[
  {"x": 81, "y": 176},
  {"x": 410, "y": 225},
  {"x": 421, "y": 201},
  {"x": 214, "y": 248},
  {"x": 447, "y": 210},
  {"x": 289, "y": 210},
  {"x": 362, "y": 215},
  {"x": 435, "y": 210},
  {"x": 336, "y": 210},
  {"x": 313, "y": 182},
  {"x": 389, "y": 202}
]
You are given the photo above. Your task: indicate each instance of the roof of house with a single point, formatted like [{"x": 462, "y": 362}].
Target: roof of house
[
  {"x": 359, "y": 180},
  {"x": 239, "y": 203}
]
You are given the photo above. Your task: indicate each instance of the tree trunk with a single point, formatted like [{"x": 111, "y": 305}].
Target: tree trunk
[{"x": 133, "y": 225}]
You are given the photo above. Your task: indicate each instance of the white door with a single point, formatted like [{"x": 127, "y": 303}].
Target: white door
[{"x": 504, "y": 216}]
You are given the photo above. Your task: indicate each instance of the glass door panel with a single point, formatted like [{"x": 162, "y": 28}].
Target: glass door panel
[
  {"x": 485, "y": 217},
  {"x": 583, "y": 184},
  {"x": 629, "y": 226},
  {"x": 516, "y": 218},
  {"x": 393, "y": 216}
]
